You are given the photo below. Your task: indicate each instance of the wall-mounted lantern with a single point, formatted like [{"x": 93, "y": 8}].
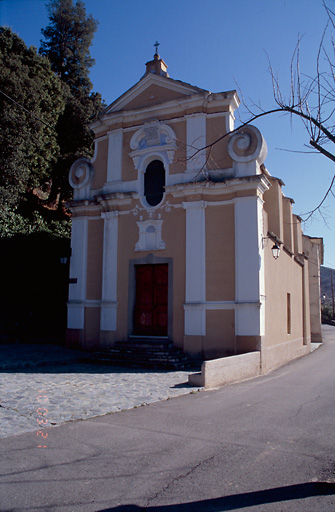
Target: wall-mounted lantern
[
  {"x": 276, "y": 246},
  {"x": 275, "y": 250}
]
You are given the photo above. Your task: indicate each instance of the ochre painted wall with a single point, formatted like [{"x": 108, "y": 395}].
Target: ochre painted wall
[
  {"x": 220, "y": 334},
  {"x": 100, "y": 164},
  {"x": 220, "y": 253},
  {"x": 92, "y": 327},
  {"x": 179, "y": 162},
  {"x": 273, "y": 205},
  {"x": 282, "y": 276},
  {"x": 153, "y": 95},
  {"x": 129, "y": 173},
  {"x": 218, "y": 157}
]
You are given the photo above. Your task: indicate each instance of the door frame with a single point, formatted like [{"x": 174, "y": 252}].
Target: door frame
[{"x": 150, "y": 259}]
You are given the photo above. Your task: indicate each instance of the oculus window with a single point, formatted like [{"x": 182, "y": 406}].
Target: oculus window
[{"x": 154, "y": 182}]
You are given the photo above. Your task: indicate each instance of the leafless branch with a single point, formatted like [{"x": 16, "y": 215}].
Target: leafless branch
[
  {"x": 329, "y": 191},
  {"x": 311, "y": 99}
]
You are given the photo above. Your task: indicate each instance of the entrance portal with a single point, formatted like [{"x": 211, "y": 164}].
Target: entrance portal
[{"x": 151, "y": 300}]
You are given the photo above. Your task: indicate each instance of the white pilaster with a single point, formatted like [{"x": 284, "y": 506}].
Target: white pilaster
[
  {"x": 230, "y": 120},
  {"x": 195, "y": 139},
  {"x": 260, "y": 219},
  {"x": 78, "y": 271},
  {"x": 195, "y": 293},
  {"x": 249, "y": 267},
  {"x": 114, "y": 161},
  {"x": 109, "y": 272}
]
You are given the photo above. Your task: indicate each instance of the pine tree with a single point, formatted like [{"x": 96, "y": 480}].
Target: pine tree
[{"x": 68, "y": 38}]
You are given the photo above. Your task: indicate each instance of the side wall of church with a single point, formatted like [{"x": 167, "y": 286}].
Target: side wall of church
[{"x": 287, "y": 324}]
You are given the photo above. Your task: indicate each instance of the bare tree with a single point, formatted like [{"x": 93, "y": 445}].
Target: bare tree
[{"x": 311, "y": 98}]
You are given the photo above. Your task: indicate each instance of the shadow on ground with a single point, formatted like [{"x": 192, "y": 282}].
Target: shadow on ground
[
  {"x": 51, "y": 359},
  {"x": 238, "y": 501}
]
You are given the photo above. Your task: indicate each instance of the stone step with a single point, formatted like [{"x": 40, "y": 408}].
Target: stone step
[
  {"x": 141, "y": 363},
  {"x": 174, "y": 359},
  {"x": 137, "y": 350},
  {"x": 143, "y": 354},
  {"x": 143, "y": 344},
  {"x": 151, "y": 340},
  {"x": 142, "y": 349}
]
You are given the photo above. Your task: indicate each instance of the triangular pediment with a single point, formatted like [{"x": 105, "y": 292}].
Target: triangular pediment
[{"x": 152, "y": 90}]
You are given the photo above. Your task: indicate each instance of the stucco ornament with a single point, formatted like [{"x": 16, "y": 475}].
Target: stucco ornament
[
  {"x": 153, "y": 138},
  {"x": 247, "y": 144},
  {"x": 150, "y": 235},
  {"x": 81, "y": 173}
]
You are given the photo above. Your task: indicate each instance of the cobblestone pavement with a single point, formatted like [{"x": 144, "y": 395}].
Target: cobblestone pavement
[{"x": 44, "y": 386}]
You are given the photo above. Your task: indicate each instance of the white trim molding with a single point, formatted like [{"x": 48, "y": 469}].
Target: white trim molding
[
  {"x": 195, "y": 289},
  {"x": 75, "y": 315},
  {"x": 108, "y": 312},
  {"x": 249, "y": 266},
  {"x": 114, "y": 158},
  {"x": 195, "y": 140},
  {"x": 219, "y": 305},
  {"x": 108, "y": 316},
  {"x": 78, "y": 271}
]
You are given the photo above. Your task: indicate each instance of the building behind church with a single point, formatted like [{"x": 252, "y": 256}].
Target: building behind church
[{"x": 174, "y": 222}]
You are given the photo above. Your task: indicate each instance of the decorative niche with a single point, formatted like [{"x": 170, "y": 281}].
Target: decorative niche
[{"x": 150, "y": 235}]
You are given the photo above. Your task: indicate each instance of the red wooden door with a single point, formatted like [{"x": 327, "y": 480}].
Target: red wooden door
[{"x": 151, "y": 302}]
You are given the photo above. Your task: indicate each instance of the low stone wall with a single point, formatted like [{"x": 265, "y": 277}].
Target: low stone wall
[
  {"x": 226, "y": 370},
  {"x": 282, "y": 353}
]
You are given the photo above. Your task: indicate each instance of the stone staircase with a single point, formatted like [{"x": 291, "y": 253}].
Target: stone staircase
[{"x": 145, "y": 353}]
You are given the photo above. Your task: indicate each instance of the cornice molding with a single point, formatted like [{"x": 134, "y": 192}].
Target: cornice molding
[
  {"x": 177, "y": 107},
  {"x": 259, "y": 182}
]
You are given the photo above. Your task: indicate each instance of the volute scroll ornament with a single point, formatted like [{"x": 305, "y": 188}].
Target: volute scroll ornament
[
  {"x": 247, "y": 144},
  {"x": 81, "y": 173}
]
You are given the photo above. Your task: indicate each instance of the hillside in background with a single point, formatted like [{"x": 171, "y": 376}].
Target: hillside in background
[{"x": 326, "y": 284}]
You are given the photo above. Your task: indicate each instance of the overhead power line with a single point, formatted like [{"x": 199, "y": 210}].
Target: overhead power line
[{"x": 26, "y": 110}]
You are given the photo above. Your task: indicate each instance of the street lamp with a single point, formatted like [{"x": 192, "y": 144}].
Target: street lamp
[
  {"x": 276, "y": 246},
  {"x": 275, "y": 250}
]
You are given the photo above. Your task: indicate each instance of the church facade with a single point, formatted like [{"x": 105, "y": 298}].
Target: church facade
[{"x": 173, "y": 225}]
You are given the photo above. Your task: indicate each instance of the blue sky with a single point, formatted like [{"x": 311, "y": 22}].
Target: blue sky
[{"x": 218, "y": 45}]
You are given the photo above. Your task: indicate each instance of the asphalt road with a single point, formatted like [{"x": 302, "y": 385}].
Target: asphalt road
[{"x": 267, "y": 444}]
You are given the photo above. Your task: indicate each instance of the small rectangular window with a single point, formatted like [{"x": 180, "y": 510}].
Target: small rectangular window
[{"x": 288, "y": 313}]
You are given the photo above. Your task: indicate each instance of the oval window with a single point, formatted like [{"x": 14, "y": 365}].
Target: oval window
[{"x": 154, "y": 182}]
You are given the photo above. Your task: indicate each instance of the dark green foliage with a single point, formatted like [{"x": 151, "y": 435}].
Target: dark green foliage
[
  {"x": 75, "y": 139},
  {"x": 40, "y": 142},
  {"x": 28, "y": 147},
  {"x": 327, "y": 313},
  {"x": 327, "y": 294},
  {"x": 13, "y": 223}
]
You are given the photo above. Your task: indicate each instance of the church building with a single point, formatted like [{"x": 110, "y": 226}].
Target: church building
[{"x": 180, "y": 235}]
